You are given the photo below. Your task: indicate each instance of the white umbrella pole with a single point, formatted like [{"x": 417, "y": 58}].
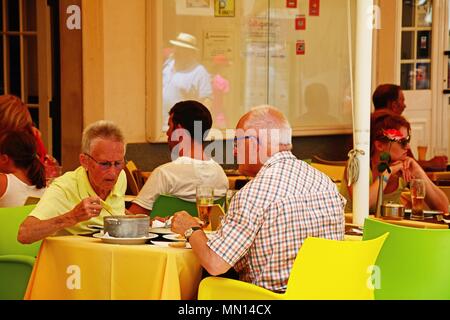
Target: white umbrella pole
[{"x": 362, "y": 107}]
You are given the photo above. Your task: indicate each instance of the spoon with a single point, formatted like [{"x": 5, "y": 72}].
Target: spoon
[{"x": 107, "y": 207}]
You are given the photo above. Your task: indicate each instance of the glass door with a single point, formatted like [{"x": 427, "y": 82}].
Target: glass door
[
  {"x": 417, "y": 19},
  {"x": 24, "y": 55}
]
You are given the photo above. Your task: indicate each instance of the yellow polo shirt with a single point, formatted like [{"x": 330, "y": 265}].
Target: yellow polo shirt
[{"x": 69, "y": 190}]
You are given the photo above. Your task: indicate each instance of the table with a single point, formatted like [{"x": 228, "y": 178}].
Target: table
[
  {"x": 425, "y": 224},
  {"x": 108, "y": 271},
  {"x": 440, "y": 178}
]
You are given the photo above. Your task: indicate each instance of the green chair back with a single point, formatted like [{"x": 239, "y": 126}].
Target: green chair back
[
  {"x": 166, "y": 205},
  {"x": 413, "y": 263},
  {"x": 10, "y": 220},
  {"x": 15, "y": 271}
]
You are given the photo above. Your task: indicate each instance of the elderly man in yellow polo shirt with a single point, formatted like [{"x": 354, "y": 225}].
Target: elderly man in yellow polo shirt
[{"x": 74, "y": 200}]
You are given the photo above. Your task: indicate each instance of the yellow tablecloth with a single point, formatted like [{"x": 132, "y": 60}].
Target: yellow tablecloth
[{"x": 108, "y": 271}]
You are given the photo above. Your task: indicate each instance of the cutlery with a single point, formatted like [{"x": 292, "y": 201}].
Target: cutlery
[{"x": 107, "y": 207}]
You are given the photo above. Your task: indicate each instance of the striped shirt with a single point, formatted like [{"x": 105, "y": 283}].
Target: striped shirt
[{"x": 269, "y": 219}]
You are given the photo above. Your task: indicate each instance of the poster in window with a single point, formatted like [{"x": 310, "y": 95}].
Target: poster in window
[
  {"x": 197, "y": 3},
  {"x": 194, "y": 8},
  {"x": 224, "y": 8}
]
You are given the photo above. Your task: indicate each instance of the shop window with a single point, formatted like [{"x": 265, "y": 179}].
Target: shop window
[{"x": 233, "y": 55}]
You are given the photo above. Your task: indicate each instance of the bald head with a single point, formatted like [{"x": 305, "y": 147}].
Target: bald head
[{"x": 267, "y": 118}]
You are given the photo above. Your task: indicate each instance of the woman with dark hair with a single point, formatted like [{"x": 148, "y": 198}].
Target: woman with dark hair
[
  {"x": 390, "y": 134},
  {"x": 22, "y": 174},
  {"x": 14, "y": 116}
]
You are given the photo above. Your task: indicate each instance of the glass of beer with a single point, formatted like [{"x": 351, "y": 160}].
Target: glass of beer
[
  {"x": 205, "y": 201},
  {"x": 417, "y": 198}
]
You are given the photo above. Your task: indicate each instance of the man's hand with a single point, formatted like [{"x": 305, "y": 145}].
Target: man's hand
[
  {"x": 182, "y": 221},
  {"x": 86, "y": 209}
]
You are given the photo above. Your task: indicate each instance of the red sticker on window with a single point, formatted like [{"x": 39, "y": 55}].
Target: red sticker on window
[
  {"x": 291, "y": 3},
  {"x": 300, "y": 23},
  {"x": 314, "y": 7},
  {"x": 300, "y": 47}
]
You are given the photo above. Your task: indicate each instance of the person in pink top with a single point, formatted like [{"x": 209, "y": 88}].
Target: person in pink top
[{"x": 220, "y": 87}]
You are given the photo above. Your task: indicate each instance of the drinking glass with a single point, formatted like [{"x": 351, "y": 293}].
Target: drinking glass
[
  {"x": 417, "y": 198},
  {"x": 422, "y": 149},
  {"x": 205, "y": 201}
]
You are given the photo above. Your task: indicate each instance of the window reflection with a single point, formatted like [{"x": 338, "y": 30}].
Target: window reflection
[
  {"x": 184, "y": 77},
  {"x": 232, "y": 63}
]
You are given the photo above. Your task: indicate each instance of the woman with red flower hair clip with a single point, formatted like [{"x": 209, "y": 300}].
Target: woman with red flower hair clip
[{"x": 389, "y": 146}]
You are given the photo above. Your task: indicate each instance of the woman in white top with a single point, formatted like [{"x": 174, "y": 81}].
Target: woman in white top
[{"x": 22, "y": 174}]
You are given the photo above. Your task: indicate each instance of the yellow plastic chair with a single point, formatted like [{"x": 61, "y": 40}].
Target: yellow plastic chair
[
  {"x": 334, "y": 172},
  {"x": 324, "y": 269},
  {"x": 132, "y": 185}
]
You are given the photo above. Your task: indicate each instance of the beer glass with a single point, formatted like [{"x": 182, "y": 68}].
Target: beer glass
[
  {"x": 417, "y": 198},
  {"x": 422, "y": 149},
  {"x": 205, "y": 201}
]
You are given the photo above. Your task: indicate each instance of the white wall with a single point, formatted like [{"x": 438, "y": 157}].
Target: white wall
[{"x": 114, "y": 64}]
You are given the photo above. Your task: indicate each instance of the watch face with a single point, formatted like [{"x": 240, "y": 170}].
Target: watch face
[{"x": 188, "y": 233}]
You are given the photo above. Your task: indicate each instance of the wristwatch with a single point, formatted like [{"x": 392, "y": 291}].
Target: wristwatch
[{"x": 188, "y": 233}]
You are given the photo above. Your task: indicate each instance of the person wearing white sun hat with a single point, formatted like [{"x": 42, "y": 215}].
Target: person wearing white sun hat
[{"x": 184, "y": 78}]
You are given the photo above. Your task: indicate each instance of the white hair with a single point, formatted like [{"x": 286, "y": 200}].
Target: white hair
[
  {"x": 100, "y": 129},
  {"x": 270, "y": 118}
]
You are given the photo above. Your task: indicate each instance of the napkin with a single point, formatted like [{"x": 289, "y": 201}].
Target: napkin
[{"x": 159, "y": 224}]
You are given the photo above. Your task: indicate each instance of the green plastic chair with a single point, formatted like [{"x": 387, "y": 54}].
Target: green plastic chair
[
  {"x": 15, "y": 271},
  {"x": 413, "y": 263},
  {"x": 166, "y": 205},
  {"x": 10, "y": 220}
]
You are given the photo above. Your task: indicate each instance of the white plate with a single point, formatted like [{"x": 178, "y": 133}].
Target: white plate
[
  {"x": 166, "y": 244},
  {"x": 112, "y": 240},
  {"x": 174, "y": 236},
  {"x": 161, "y": 230}
]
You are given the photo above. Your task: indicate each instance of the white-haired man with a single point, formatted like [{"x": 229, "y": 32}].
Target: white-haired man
[
  {"x": 269, "y": 218},
  {"x": 73, "y": 201}
]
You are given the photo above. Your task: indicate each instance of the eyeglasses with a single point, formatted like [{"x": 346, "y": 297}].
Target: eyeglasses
[
  {"x": 235, "y": 140},
  {"x": 105, "y": 165}
]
